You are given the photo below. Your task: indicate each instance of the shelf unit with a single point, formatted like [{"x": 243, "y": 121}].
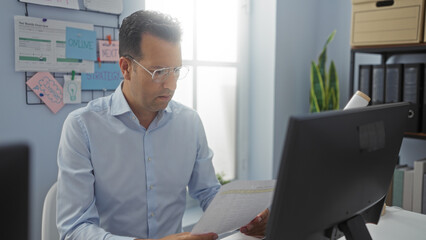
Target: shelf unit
[{"x": 385, "y": 52}]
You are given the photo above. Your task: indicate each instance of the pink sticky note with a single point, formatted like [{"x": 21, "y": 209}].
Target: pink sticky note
[
  {"x": 47, "y": 89},
  {"x": 108, "y": 52}
]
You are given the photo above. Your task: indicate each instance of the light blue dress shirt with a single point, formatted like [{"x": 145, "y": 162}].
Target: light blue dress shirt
[{"x": 118, "y": 180}]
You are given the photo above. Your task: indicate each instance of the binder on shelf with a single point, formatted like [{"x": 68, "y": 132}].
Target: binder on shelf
[
  {"x": 412, "y": 94},
  {"x": 378, "y": 85},
  {"x": 423, "y": 108},
  {"x": 407, "y": 190},
  {"x": 393, "y": 85},
  {"x": 419, "y": 171},
  {"x": 389, "y": 195},
  {"x": 364, "y": 83},
  {"x": 424, "y": 195},
  {"x": 398, "y": 185}
]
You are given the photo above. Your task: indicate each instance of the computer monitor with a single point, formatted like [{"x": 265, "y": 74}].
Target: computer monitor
[
  {"x": 14, "y": 170},
  {"x": 335, "y": 171}
]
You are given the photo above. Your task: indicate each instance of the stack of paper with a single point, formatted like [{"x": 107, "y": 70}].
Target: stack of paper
[{"x": 235, "y": 205}]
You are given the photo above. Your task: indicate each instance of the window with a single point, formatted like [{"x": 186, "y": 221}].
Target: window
[{"x": 210, "y": 50}]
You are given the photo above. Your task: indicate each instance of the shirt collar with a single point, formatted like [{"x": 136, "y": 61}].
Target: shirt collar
[
  {"x": 120, "y": 106},
  {"x": 168, "y": 109},
  {"x": 160, "y": 116},
  {"x": 119, "y": 103}
]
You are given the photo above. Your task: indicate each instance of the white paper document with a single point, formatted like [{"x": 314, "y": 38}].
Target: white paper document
[
  {"x": 108, "y": 6},
  {"x": 235, "y": 205},
  {"x": 239, "y": 236},
  {"x": 40, "y": 46},
  {"x": 73, "y": 4}
]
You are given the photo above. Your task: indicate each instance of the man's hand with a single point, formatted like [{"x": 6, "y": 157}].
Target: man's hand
[
  {"x": 188, "y": 236},
  {"x": 257, "y": 226}
]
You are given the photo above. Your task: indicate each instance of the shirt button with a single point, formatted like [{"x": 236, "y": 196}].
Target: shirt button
[
  {"x": 149, "y": 159},
  {"x": 150, "y": 187},
  {"x": 134, "y": 118},
  {"x": 152, "y": 214}
]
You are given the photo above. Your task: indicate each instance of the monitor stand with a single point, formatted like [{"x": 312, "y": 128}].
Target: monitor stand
[
  {"x": 355, "y": 229},
  {"x": 352, "y": 229}
]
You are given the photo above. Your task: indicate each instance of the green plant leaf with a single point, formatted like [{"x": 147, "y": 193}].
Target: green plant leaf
[
  {"x": 313, "y": 103},
  {"x": 322, "y": 60},
  {"x": 333, "y": 101},
  {"x": 220, "y": 177},
  {"x": 324, "y": 93},
  {"x": 327, "y": 92},
  {"x": 330, "y": 38},
  {"x": 317, "y": 89}
]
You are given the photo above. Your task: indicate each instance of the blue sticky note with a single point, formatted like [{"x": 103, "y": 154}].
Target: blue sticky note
[
  {"x": 108, "y": 77},
  {"x": 81, "y": 44}
]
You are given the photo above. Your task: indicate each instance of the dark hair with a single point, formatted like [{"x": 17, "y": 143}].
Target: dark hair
[{"x": 155, "y": 23}]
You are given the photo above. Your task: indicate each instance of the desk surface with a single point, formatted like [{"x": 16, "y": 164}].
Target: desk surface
[{"x": 396, "y": 224}]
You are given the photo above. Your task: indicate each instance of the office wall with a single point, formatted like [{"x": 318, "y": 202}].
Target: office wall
[
  {"x": 302, "y": 29},
  {"x": 285, "y": 36},
  {"x": 35, "y": 124},
  {"x": 261, "y": 98}
]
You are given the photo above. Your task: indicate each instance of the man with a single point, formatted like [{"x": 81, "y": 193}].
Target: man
[{"x": 126, "y": 160}]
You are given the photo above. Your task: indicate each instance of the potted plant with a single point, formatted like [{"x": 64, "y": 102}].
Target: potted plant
[
  {"x": 220, "y": 177},
  {"x": 324, "y": 94}
]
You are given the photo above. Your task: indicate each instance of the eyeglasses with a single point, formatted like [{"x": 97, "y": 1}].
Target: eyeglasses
[{"x": 161, "y": 75}]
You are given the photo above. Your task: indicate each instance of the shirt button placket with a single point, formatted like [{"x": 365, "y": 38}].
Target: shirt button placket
[{"x": 149, "y": 183}]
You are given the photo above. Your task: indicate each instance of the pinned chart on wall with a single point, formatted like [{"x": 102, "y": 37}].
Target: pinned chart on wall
[
  {"x": 80, "y": 44},
  {"x": 106, "y": 77},
  {"x": 45, "y": 86},
  {"x": 40, "y": 46},
  {"x": 108, "y": 6},
  {"x": 108, "y": 52},
  {"x": 58, "y": 47},
  {"x": 73, "y": 4},
  {"x": 72, "y": 89}
]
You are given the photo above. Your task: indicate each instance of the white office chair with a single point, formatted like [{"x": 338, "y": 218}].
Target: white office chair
[{"x": 48, "y": 223}]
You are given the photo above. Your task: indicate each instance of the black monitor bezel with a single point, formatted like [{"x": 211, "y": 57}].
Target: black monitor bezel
[{"x": 280, "y": 227}]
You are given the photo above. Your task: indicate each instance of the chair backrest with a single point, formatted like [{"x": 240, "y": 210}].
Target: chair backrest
[{"x": 49, "y": 230}]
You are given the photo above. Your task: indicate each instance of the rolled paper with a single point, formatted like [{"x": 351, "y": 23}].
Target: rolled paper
[{"x": 359, "y": 99}]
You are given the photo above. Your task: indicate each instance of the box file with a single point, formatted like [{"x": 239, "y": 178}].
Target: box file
[
  {"x": 378, "y": 85},
  {"x": 387, "y": 22},
  {"x": 365, "y": 81},
  {"x": 393, "y": 86},
  {"x": 423, "y": 101},
  {"x": 412, "y": 94}
]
